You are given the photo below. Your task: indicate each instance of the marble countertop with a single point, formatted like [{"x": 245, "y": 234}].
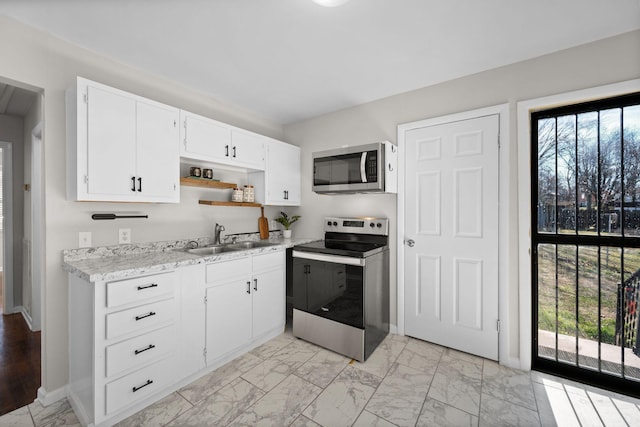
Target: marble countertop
[{"x": 122, "y": 261}]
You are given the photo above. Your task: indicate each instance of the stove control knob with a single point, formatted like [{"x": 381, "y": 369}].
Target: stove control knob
[
  {"x": 372, "y": 225},
  {"x": 379, "y": 225},
  {"x": 335, "y": 224},
  {"x": 329, "y": 223}
]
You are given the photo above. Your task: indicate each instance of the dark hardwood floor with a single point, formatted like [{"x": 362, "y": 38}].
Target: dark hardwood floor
[{"x": 19, "y": 362}]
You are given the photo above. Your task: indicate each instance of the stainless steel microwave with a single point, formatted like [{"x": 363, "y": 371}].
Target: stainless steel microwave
[{"x": 371, "y": 168}]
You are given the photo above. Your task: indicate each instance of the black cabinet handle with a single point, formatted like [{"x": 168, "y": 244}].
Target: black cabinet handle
[
  {"x": 149, "y": 382},
  {"x": 286, "y": 195},
  {"x": 139, "y": 184},
  {"x": 149, "y": 314},
  {"x": 153, "y": 285},
  {"x": 133, "y": 183},
  {"x": 226, "y": 150},
  {"x": 142, "y": 350},
  {"x": 248, "y": 287},
  {"x": 255, "y": 285},
  {"x": 234, "y": 151}
]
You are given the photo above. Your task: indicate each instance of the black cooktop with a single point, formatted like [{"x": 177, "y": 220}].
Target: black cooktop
[{"x": 342, "y": 248}]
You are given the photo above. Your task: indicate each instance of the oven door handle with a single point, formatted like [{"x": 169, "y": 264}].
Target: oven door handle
[
  {"x": 363, "y": 167},
  {"x": 335, "y": 259}
]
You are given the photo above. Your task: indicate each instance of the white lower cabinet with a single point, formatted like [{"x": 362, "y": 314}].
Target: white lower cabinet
[
  {"x": 122, "y": 343},
  {"x": 133, "y": 341},
  {"x": 245, "y": 301},
  {"x": 228, "y": 317},
  {"x": 142, "y": 383}
]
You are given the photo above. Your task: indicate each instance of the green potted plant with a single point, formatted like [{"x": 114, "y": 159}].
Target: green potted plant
[{"x": 286, "y": 222}]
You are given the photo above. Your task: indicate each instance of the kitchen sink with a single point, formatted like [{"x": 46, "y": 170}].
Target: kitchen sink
[
  {"x": 228, "y": 247},
  {"x": 209, "y": 250},
  {"x": 248, "y": 245}
]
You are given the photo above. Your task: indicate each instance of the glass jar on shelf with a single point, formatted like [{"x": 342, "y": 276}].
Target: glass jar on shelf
[
  {"x": 248, "y": 194},
  {"x": 237, "y": 195}
]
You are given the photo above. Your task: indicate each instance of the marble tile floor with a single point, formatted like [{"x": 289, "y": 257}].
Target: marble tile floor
[{"x": 406, "y": 382}]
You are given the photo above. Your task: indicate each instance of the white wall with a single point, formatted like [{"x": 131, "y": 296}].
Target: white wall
[
  {"x": 606, "y": 61},
  {"x": 42, "y": 62}
]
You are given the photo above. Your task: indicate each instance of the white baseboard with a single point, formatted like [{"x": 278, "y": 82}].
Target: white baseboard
[
  {"x": 16, "y": 309},
  {"x": 393, "y": 329},
  {"x": 514, "y": 363},
  {"x": 46, "y": 398},
  {"x": 27, "y": 318},
  {"x": 77, "y": 408}
]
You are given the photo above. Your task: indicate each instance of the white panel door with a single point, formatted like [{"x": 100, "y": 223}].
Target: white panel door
[
  {"x": 111, "y": 143},
  {"x": 205, "y": 138},
  {"x": 229, "y": 308},
  {"x": 451, "y": 215},
  {"x": 268, "y": 291},
  {"x": 282, "y": 174},
  {"x": 247, "y": 149},
  {"x": 158, "y": 154}
]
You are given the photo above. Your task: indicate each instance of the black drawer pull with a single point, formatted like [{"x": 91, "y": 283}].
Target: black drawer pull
[
  {"x": 153, "y": 285},
  {"x": 149, "y": 382},
  {"x": 151, "y": 313},
  {"x": 151, "y": 346}
]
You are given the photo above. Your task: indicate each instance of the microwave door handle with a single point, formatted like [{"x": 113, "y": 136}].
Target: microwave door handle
[{"x": 363, "y": 164}]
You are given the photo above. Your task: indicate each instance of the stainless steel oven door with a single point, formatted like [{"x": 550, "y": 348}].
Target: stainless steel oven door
[{"x": 329, "y": 286}]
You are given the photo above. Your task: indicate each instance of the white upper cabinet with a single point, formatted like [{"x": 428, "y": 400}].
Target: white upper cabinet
[
  {"x": 248, "y": 148},
  {"x": 204, "y": 139},
  {"x": 121, "y": 147},
  {"x": 212, "y": 141},
  {"x": 279, "y": 185}
]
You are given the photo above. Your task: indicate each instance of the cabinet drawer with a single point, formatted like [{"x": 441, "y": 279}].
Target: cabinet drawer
[
  {"x": 220, "y": 271},
  {"x": 268, "y": 261},
  {"x": 140, "y": 351},
  {"x": 141, "y": 317},
  {"x": 139, "y": 289},
  {"x": 140, "y": 384}
]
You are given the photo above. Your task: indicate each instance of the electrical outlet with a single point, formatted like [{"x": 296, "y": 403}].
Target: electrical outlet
[
  {"x": 84, "y": 239},
  {"x": 273, "y": 225},
  {"x": 124, "y": 236}
]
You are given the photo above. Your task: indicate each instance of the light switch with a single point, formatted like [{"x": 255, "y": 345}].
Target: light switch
[
  {"x": 84, "y": 239},
  {"x": 124, "y": 236}
]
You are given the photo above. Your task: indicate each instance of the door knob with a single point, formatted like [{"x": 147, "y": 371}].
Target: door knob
[{"x": 409, "y": 242}]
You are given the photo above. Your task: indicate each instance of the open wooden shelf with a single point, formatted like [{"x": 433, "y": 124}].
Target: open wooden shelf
[
  {"x": 235, "y": 204},
  {"x": 206, "y": 183}
]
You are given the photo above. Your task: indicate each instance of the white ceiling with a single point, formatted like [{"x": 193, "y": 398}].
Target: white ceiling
[{"x": 289, "y": 60}]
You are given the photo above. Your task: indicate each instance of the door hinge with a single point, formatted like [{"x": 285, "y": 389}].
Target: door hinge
[
  {"x": 85, "y": 97},
  {"x": 204, "y": 352},
  {"x": 86, "y": 179},
  {"x": 205, "y": 299},
  {"x": 498, "y": 325}
]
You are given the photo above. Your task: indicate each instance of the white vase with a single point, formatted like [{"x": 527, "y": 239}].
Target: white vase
[{"x": 286, "y": 234}]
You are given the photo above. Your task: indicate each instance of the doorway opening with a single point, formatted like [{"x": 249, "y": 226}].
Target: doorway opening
[
  {"x": 585, "y": 223},
  {"x": 21, "y": 204}
]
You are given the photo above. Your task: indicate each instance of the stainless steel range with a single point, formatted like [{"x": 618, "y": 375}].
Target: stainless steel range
[{"x": 341, "y": 286}]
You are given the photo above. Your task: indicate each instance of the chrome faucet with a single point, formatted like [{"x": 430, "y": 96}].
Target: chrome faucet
[{"x": 217, "y": 232}]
